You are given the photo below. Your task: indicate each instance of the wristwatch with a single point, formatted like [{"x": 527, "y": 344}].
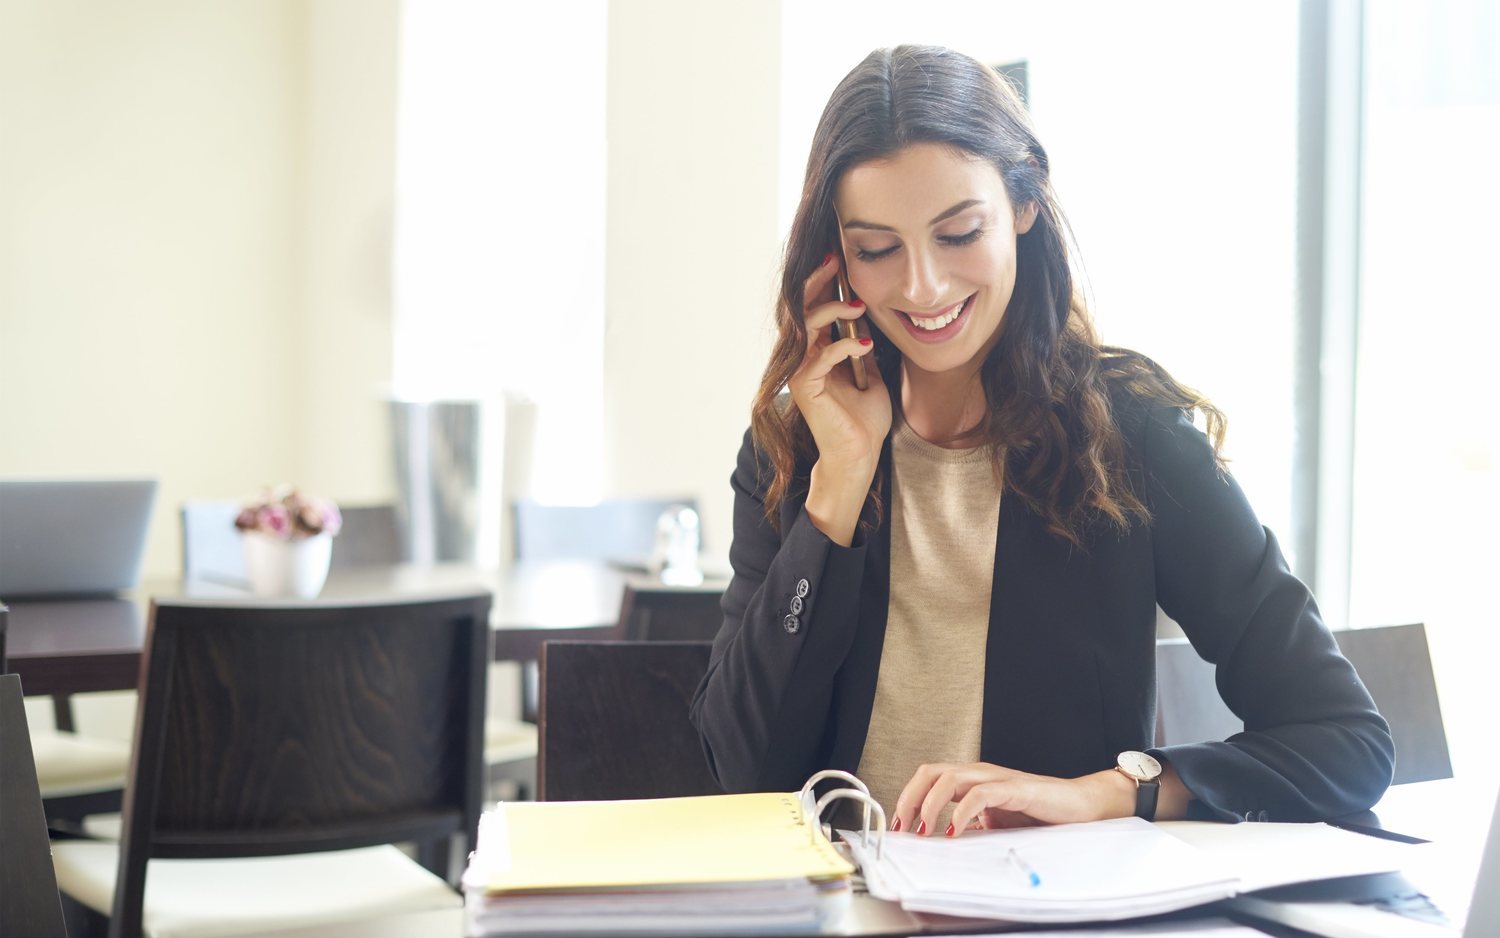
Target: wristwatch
[{"x": 1145, "y": 771}]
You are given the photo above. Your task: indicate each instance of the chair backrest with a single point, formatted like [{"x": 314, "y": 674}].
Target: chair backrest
[
  {"x": 29, "y": 901},
  {"x": 280, "y": 728},
  {"x": 1396, "y": 667},
  {"x": 1392, "y": 661},
  {"x": 614, "y": 721},
  {"x": 623, "y": 529},
  {"x": 211, "y": 548},
  {"x": 650, "y": 613},
  {"x": 370, "y": 535}
]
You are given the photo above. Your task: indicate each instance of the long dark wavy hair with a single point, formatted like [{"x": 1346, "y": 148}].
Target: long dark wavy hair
[{"x": 1048, "y": 381}]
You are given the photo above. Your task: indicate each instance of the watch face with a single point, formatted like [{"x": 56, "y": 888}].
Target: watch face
[{"x": 1139, "y": 765}]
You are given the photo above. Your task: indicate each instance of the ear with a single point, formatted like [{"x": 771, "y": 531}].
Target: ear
[{"x": 1026, "y": 217}]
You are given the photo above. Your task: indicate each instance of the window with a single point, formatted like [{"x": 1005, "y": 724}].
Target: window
[{"x": 1427, "y": 431}]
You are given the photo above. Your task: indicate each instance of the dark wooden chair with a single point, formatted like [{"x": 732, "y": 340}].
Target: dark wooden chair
[
  {"x": 614, "y": 721},
  {"x": 622, "y": 531},
  {"x": 1393, "y": 662},
  {"x": 276, "y": 729},
  {"x": 29, "y": 902},
  {"x": 78, "y": 775},
  {"x": 653, "y": 613}
]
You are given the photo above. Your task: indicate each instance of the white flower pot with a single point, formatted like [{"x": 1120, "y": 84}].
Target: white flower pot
[{"x": 287, "y": 568}]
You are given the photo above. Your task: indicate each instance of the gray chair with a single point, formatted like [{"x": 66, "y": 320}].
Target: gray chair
[
  {"x": 618, "y": 530},
  {"x": 370, "y": 537},
  {"x": 211, "y": 549},
  {"x": 1393, "y": 662}
]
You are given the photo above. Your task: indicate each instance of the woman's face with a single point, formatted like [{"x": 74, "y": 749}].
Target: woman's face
[{"x": 929, "y": 237}]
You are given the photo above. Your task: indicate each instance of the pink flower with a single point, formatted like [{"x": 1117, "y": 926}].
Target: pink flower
[
  {"x": 284, "y": 512},
  {"x": 333, "y": 520},
  {"x": 274, "y": 520}
]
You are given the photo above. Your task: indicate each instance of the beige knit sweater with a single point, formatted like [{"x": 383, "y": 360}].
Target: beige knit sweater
[{"x": 929, "y": 699}]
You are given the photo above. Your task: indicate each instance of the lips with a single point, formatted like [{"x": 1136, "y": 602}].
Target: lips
[{"x": 955, "y": 316}]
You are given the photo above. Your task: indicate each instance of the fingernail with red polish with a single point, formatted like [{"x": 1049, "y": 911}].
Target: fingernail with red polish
[
  {"x": 866, "y": 341},
  {"x": 857, "y": 304},
  {"x": 950, "y": 830},
  {"x": 921, "y": 827},
  {"x": 826, "y": 259},
  {"x": 896, "y": 824}
]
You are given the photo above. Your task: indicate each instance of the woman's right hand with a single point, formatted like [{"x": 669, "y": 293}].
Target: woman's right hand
[{"x": 848, "y": 425}]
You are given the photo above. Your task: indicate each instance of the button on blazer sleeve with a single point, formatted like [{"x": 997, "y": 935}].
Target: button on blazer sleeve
[
  {"x": 790, "y": 615},
  {"x": 1314, "y": 745}
]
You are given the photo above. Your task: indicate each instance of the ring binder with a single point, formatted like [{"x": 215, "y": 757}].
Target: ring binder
[
  {"x": 711, "y": 864},
  {"x": 864, "y": 831},
  {"x": 813, "y": 809}
]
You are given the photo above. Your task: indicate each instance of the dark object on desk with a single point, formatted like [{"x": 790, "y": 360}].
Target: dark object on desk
[
  {"x": 1393, "y": 661},
  {"x": 614, "y": 721},
  {"x": 29, "y": 902},
  {"x": 274, "y": 729},
  {"x": 650, "y": 613},
  {"x": 623, "y": 529}
]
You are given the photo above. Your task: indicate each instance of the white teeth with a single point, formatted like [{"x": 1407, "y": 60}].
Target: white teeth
[{"x": 938, "y": 322}]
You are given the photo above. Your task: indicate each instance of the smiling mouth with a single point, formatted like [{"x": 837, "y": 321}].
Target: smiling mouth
[{"x": 932, "y": 323}]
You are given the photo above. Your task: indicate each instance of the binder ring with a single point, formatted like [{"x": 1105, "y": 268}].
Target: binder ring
[
  {"x": 808, "y": 797},
  {"x": 870, "y": 805}
]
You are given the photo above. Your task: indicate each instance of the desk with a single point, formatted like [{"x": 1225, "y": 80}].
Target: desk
[{"x": 80, "y": 645}]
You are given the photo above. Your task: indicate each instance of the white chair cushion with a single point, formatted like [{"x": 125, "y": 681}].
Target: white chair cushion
[
  {"x": 104, "y": 826},
  {"x": 69, "y": 764},
  {"x": 370, "y": 891},
  {"x": 509, "y": 741}
]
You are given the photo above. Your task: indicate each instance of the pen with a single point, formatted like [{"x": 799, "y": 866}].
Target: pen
[{"x": 1024, "y": 867}]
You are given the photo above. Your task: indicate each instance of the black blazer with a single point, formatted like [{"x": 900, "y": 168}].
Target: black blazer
[{"x": 1070, "y": 662}]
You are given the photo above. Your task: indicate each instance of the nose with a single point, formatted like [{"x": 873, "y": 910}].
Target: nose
[{"x": 926, "y": 283}]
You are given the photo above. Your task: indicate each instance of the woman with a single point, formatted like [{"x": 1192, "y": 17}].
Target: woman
[{"x": 947, "y": 582}]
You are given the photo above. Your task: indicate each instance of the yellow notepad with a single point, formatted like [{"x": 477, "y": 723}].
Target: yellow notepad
[{"x": 713, "y": 839}]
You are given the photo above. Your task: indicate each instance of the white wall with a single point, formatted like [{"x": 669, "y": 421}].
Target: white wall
[
  {"x": 692, "y": 243},
  {"x": 191, "y": 245},
  {"x": 346, "y": 199}
]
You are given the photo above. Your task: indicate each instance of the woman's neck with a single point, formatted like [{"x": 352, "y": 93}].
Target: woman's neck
[{"x": 945, "y": 409}]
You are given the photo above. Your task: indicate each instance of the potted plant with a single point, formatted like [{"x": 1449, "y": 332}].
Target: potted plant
[{"x": 288, "y": 538}]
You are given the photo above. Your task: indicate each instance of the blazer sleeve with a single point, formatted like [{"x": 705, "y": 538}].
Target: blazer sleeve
[
  {"x": 1314, "y": 746},
  {"x": 763, "y": 710}
]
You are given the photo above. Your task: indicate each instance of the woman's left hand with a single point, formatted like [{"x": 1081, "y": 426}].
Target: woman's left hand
[{"x": 992, "y": 796}]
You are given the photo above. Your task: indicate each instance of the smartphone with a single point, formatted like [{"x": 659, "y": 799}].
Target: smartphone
[{"x": 850, "y": 329}]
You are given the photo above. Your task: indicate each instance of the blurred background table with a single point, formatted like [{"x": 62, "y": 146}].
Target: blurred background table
[{"x": 70, "y": 646}]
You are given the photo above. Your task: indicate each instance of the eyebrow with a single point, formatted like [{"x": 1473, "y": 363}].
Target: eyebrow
[{"x": 942, "y": 216}]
